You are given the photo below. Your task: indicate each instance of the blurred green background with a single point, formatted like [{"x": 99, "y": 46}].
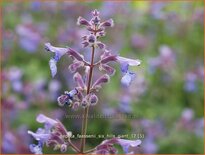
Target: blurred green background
[{"x": 166, "y": 98}]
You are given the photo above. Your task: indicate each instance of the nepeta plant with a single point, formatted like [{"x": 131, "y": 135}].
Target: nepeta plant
[{"x": 54, "y": 134}]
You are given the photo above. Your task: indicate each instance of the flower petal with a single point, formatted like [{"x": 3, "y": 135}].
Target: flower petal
[
  {"x": 36, "y": 149},
  {"x": 59, "y": 52},
  {"x": 44, "y": 119},
  {"x": 39, "y": 136},
  {"x": 131, "y": 62},
  {"x": 53, "y": 67},
  {"x": 127, "y": 79}
]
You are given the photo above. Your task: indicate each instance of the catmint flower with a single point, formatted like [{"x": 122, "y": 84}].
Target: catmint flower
[
  {"x": 42, "y": 135},
  {"x": 67, "y": 97},
  {"x": 59, "y": 138},
  {"x": 127, "y": 78},
  {"x": 127, "y": 75},
  {"x": 126, "y": 144},
  {"x": 48, "y": 122},
  {"x": 59, "y": 52},
  {"x": 36, "y": 149},
  {"x": 91, "y": 40},
  {"x": 107, "y": 145},
  {"x": 98, "y": 84}
]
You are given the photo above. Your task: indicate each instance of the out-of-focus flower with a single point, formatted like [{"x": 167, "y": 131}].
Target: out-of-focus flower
[
  {"x": 190, "y": 82},
  {"x": 156, "y": 10},
  {"x": 139, "y": 41},
  {"x": 187, "y": 114},
  {"x": 125, "y": 105},
  {"x": 149, "y": 146},
  {"x": 165, "y": 60},
  {"x": 54, "y": 87},
  {"x": 15, "y": 75},
  {"x": 29, "y": 37}
]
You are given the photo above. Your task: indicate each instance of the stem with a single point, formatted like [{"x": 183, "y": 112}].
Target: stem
[
  {"x": 74, "y": 147},
  {"x": 85, "y": 113}
]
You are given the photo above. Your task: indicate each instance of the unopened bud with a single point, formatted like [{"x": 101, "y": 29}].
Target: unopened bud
[
  {"x": 63, "y": 148},
  {"x": 93, "y": 99}
]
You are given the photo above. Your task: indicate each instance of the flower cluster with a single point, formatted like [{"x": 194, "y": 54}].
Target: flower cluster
[{"x": 84, "y": 94}]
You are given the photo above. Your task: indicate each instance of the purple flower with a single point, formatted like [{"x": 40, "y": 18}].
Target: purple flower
[
  {"x": 67, "y": 97},
  {"x": 107, "y": 145},
  {"x": 127, "y": 75},
  {"x": 29, "y": 37},
  {"x": 40, "y": 135},
  {"x": 190, "y": 82},
  {"x": 130, "y": 62},
  {"x": 127, "y": 78},
  {"x": 59, "y": 52},
  {"x": 48, "y": 122},
  {"x": 127, "y": 144},
  {"x": 36, "y": 149}
]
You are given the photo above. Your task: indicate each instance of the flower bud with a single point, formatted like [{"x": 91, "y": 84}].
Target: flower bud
[
  {"x": 103, "y": 79},
  {"x": 95, "y": 20},
  {"x": 95, "y": 13},
  {"x": 75, "y": 54},
  {"x": 93, "y": 99},
  {"x": 108, "y": 23},
  {"x": 85, "y": 43},
  {"x": 63, "y": 148},
  {"x": 75, "y": 106},
  {"x": 75, "y": 65},
  {"x": 109, "y": 70},
  {"x": 100, "y": 45},
  {"x": 79, "y": 80},
  {"x": 91, "y": 38},
  {"x": 108, "y": 59},
  {"x": 84, "y": 102},
  {"x": 83, "y": 21}
]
